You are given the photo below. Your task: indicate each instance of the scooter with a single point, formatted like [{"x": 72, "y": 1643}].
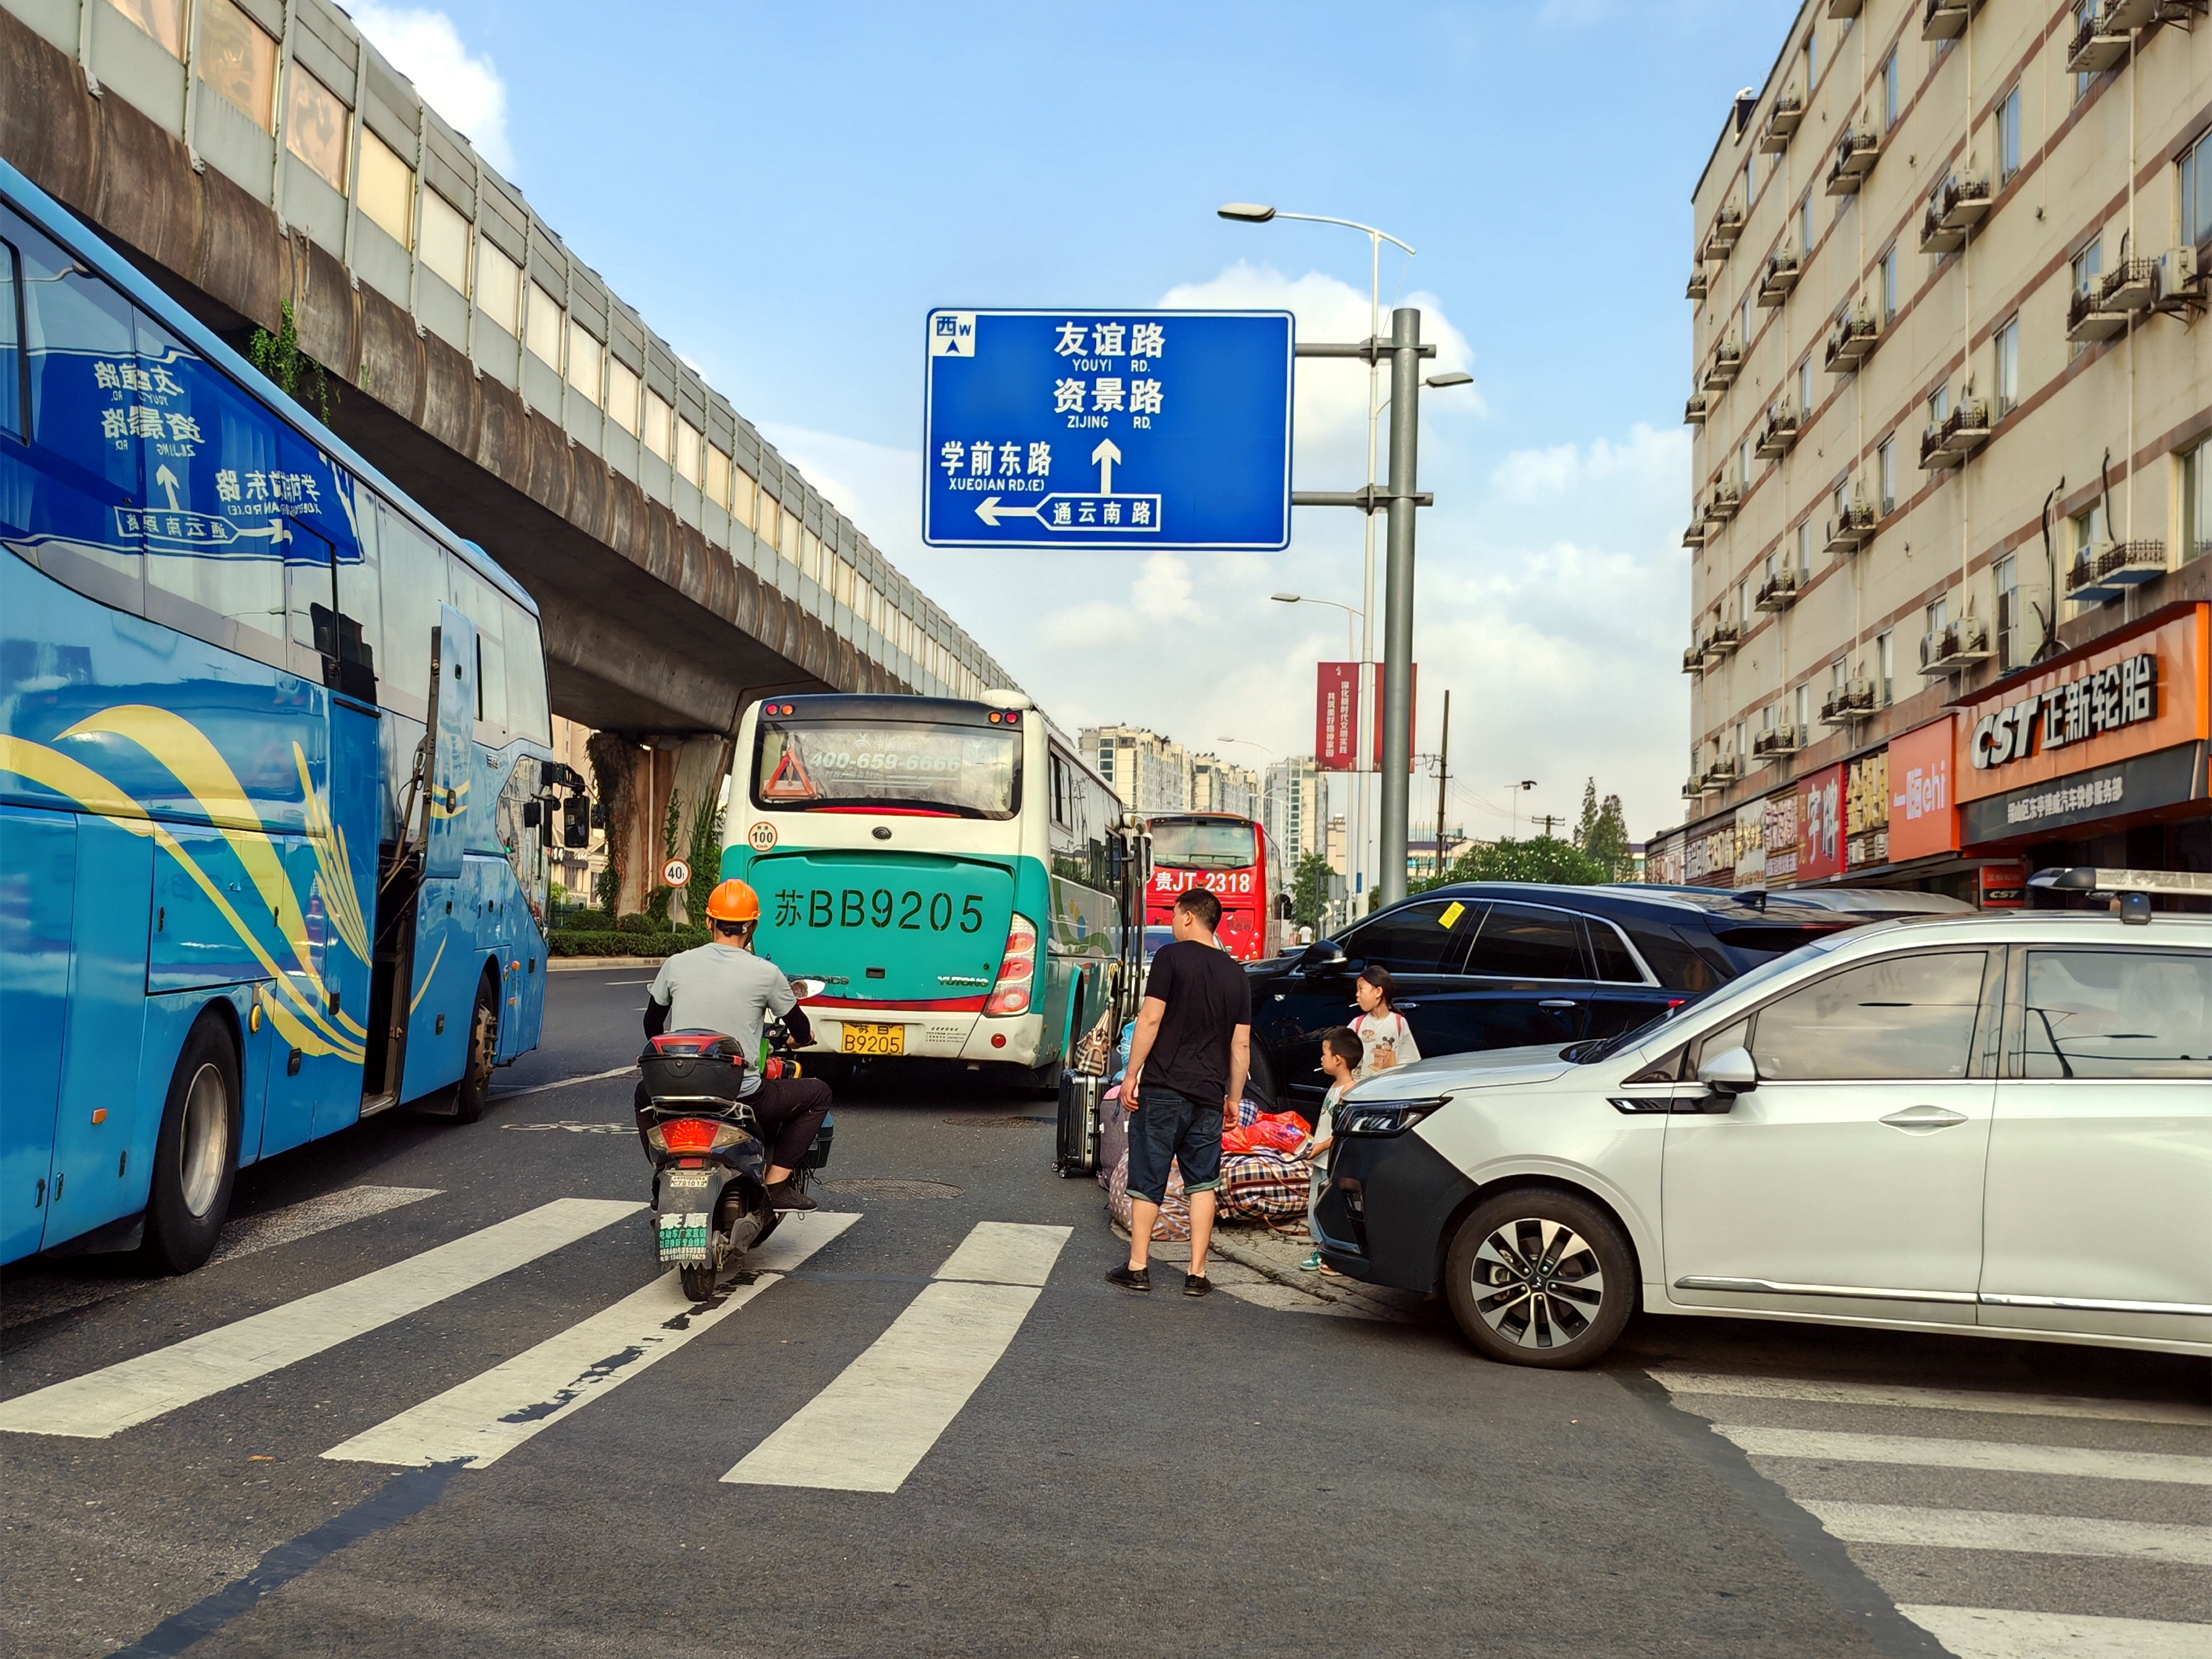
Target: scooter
[{"x": 709, "y": 1161}]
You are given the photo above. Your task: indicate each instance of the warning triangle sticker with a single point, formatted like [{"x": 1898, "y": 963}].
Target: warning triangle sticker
[{"x": 789, "y": 780}]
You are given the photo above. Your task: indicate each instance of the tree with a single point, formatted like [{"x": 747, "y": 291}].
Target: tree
[
  {"x": 1601, "y": 831},
  {"x": 1586, "y": 820},
  {"x": 1309, "y": 890},
  {"x": 1541, "y": 858}
]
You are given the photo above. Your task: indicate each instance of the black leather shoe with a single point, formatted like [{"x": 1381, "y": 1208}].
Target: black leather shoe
[
  {"x": 787, "y": 1195},
  {"x": 1197, "y": 1284},
  {"x": 1130, "y": 1278}
]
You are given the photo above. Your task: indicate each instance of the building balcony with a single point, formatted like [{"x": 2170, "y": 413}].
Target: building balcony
[
  {"x": 1952, "y": 440},
  {"x": 1839, "y": 10},
  {"x": 1696, "y": 535},
  {"x": 1695, "y": 410},
  {"x": 1721, "y": 644},
  {"x": 1701, "y": 284},
  {"x": 1722, "y": 772},
  {"x": 2097, "y": 46},
  {"x": 1852, "y": 341},
  {"x": 1852, "y": 529},
  {"x": 2132, "y": 287},
  {"x": 1947, "y": 20},
  {"x": 1777, "y": 741},
  {"x": 1782, "y": 424},
  {"x": 1727, "y": 364},
  {"x": 1728, "y": 228},
  {"x": 1956, "y": 646},
  {"x": 1693, "y": 660},
  {"x": 2109, "y": 568},
  {"x": 1856, "y": 152},
  {"x": 2121, "y": 15},
  {"x": 1782, "y": 268},
  {"x": 2088, "y": 317},
  {"x": 1960, "y": 203},
  {"x": 1721, "y": 505},
  {"x": 1777, "y": 592},
  {"x": 1782, "y": 123},
  {"x": 1848, "y": 704},
  {"x": 1695, "y": 787}
]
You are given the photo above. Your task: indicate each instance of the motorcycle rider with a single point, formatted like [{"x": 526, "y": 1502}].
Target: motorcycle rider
[{"x": 723, "y": 987}]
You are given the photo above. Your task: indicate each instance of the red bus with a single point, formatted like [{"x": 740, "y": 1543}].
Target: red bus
[{"x": 1232, "y": 859}]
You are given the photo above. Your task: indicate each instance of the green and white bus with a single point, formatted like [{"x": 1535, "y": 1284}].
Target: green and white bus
[{"x": 952, "y": 870}]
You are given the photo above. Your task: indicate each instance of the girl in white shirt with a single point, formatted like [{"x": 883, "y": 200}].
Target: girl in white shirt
[{"x": 1385, "y": 1039}]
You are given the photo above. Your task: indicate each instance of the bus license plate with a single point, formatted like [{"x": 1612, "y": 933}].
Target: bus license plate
[{"x": 870, "y": 1039}]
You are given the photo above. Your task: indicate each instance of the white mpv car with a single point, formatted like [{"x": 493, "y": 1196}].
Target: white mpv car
[{"x": 1995, "y": 1124}]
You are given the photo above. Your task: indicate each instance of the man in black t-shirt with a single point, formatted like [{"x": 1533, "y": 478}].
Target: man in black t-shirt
[{"x": 1187, "y": 1064}]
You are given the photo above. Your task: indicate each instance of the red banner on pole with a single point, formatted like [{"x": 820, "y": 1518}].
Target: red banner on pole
[{"x": 1336, "y": 724}]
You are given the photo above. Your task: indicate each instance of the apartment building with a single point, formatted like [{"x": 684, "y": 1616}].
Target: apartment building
[
  {"x": 1220, "y": 786},
  {"x": 1950, "y": 400},
  {"x": 1295, "y": 807},
  {"x": 1150, "y": 773}
]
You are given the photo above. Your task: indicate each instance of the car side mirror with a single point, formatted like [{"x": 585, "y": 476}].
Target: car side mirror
[
  {"x": 1322, "y": 953},
  {"x": 1730, "y": 1072}
]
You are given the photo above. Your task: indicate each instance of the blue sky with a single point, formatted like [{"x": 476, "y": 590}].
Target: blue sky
[{"x": 784, "y": 191}]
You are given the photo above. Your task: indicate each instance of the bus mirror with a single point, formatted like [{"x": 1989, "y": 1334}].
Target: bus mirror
[
  {"x": 598, "y": 816},
  {"x": 578, "y": 815},
  {"x": 1282, "y": 907},
  {"x": 532, "y": 811}
]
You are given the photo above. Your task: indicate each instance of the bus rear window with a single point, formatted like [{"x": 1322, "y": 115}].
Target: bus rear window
[
  {"x": 821, "y": 765},
  {"x": 1200, "y": 844}
]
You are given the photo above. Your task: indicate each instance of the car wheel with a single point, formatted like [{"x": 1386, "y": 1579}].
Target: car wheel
[
  {"x": 1538, "y": 1277},
  {"x": 196, "y": 1157},
  {"x": 473, "y": 1093}
]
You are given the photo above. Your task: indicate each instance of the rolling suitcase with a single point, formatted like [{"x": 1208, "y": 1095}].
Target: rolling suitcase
[{"x": 1077, "y": 1153}]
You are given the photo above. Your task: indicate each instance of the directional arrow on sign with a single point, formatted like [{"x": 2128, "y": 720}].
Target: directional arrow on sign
[
  {"x": 1106, "y": 455},
  {"x": 990, "y": 512},
  {"x": 168, "y": 480}
]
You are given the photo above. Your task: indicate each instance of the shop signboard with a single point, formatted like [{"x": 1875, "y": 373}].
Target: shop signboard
[
  {"x": 1923, "y": 819},
  {"x": 1662, "y": 861},
  {"x": 2004, "y": 886},
  {"x": 1709, "y": 860},
  {"x": 1821, "y": 825},
  {"x": 2112, "y": 730},
  {"x": 1866, "y": 810},
  {"x": 1781, "y": 828},
  {"x": 1751, "y": 844}
]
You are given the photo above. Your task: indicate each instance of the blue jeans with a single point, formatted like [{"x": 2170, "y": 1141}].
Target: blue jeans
[{"x": 1168, "y": 1127}]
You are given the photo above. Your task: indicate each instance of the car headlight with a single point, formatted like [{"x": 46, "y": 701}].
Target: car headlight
[{"x": 1385, "y": 1117}]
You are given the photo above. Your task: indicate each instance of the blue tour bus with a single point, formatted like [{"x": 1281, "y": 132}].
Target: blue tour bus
[{"x": 275, "y": 765}]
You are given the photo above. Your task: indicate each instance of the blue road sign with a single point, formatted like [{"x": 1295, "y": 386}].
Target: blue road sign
[{"x": 1109, "y": 429}]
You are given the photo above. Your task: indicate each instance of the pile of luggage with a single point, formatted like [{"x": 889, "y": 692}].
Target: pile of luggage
[{"x": 1263, "y": 1184}]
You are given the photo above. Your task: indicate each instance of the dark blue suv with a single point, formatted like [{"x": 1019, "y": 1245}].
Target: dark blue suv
[{"x": 1498, "y": 964}]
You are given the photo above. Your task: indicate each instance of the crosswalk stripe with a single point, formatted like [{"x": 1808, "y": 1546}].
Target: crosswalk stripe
[
  {"x": 2002, "y": 1456},
  {"x": 1941, "y": 1400},
  {"x": 870, "y": 1427},
  {"x": 2004, "y": 1633},
  {"x": 2032, "y": 1535},
  {"x": 481, "y": 1420},
  {"x": 105, "y": 1402}
]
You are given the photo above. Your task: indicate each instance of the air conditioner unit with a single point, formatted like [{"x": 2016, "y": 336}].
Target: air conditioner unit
[{"x": 2179, "y": 274}]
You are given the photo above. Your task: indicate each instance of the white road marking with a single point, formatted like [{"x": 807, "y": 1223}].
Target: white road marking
[
  {"x": 2002, "y": 1633},
  {"x": 481, "y": 1420},
  {"x": 105, "y": 1402},
  {"x": 2031, "y": 1534},
  {"x": 1941, "y": 1399},
  {"x": 563, "y": 1083},
  {"x": 2002, "y": 1456},
  {"x": 43, "y": 1295},
  {"x": 869, "y": 1428}
]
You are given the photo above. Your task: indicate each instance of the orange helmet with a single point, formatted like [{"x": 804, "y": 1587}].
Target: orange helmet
[{"x": 734, "y": 901}]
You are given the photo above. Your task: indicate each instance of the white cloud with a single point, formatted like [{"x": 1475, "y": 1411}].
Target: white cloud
[{"x": 464, "y": 88}]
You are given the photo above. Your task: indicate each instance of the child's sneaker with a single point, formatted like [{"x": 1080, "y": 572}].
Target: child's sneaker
[{"x": 1311, "y": 1264}]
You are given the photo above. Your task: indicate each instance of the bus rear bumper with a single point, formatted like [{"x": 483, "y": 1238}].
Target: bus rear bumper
[{"x": 935, "y": 1035}]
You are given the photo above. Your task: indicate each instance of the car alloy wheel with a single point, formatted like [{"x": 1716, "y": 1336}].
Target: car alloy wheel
[{"x": 1539, "y": 1276}]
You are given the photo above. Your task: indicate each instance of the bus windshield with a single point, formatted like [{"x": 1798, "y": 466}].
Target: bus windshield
[
  {"x": 806, "y": 765},
  {"x": 1202, "y": 844}
]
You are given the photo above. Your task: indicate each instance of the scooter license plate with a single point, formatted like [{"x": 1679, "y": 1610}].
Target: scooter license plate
[
  {"x": 863, "y": 1038},
  {"x": 683, "y": 1238}
]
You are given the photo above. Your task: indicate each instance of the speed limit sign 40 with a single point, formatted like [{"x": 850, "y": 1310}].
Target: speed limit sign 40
[{"x": 676, "y": 873}]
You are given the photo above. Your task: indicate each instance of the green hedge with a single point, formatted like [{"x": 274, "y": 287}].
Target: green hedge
[{"x": 605, "y": 942}]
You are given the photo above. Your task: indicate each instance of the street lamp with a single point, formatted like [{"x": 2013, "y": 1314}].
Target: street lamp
[
  {"x": 1258, "y": 213},
  {"x": 1352, "y": 614}
]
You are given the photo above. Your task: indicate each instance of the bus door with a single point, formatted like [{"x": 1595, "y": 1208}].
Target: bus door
[
  {"x": 444, "y": 961},
  {"x": 37, "y": 877}
]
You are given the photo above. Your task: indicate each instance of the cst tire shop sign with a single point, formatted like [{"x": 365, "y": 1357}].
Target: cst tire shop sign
[{"x": 2102, "y": 733}]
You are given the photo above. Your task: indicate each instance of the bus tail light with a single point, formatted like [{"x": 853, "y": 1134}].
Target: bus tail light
[{"x": 1017, "y": 969}]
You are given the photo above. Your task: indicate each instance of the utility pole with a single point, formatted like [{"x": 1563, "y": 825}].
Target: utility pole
[
  {"x": 1547, "y": 821},
  {"x": 1443, "y": 769}
]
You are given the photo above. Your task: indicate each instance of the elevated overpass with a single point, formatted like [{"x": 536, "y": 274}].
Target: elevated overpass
[{"x": 254, "y": 155}]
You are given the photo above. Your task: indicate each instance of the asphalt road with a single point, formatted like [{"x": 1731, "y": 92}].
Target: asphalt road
[{"x": 1129, "y": 1476}]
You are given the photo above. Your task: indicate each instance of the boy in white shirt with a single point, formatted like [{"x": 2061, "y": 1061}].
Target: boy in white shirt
[{"x": 1340, "y": 1053}]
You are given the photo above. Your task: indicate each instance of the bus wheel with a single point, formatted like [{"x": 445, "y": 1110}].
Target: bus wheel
[
  {"x": 473, "y": 1093},
  {"x": 196, "y": 1158}
]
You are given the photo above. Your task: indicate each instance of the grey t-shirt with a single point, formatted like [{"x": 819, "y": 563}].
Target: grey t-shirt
[{"x": 725, "y": 988}]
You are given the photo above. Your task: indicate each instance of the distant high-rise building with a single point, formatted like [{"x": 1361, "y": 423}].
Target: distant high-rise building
[
  {"x": 1295, "y": 808},
  {"x": 1220, "y": 786},
  {"x": 1150, "y": 773}
]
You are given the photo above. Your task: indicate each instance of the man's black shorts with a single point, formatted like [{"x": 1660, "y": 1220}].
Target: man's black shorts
[{"x": 1171, "y": 1128}]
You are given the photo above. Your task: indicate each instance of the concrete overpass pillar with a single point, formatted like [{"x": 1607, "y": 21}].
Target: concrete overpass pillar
[{"x": 636, "y": 777}]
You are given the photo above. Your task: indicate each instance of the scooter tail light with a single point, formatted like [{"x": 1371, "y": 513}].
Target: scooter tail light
[{"x": 692, "y": 1134}]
